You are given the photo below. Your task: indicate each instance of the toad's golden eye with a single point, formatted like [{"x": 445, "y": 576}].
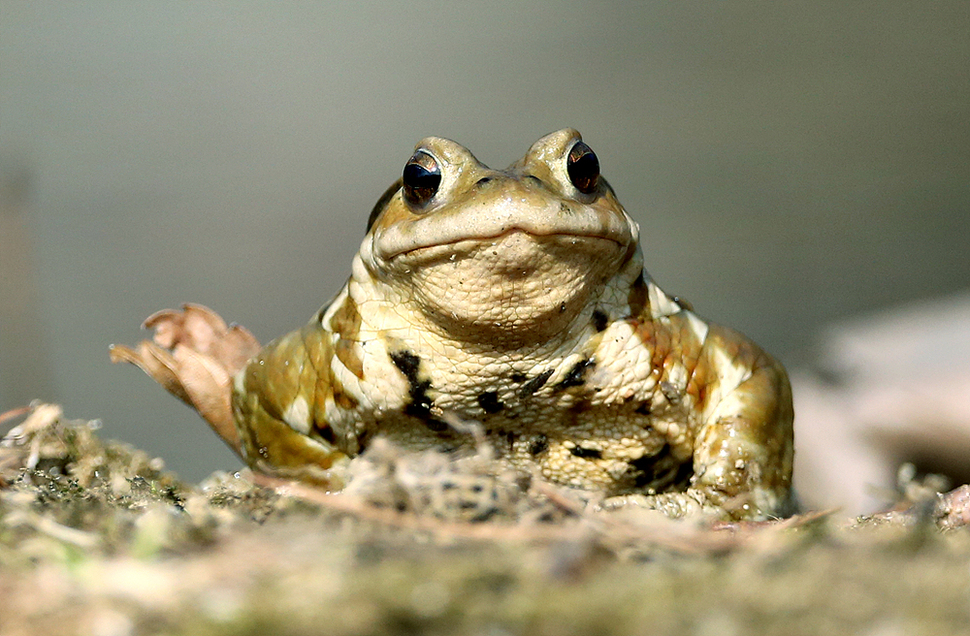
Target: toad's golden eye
[
  {"x": 421, "y": 179},
  {"x": 583, "y": 168}
]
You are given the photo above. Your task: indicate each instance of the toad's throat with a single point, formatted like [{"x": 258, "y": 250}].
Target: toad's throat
[{"x": 514, "y": 286}]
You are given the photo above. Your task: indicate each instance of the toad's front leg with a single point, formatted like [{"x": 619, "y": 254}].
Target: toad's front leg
[
  {"x": 279, "y": 403},
  {"x": 743, "y": 441},
  {"x": 745, "y": 448},
  {"x": 268, "y": 404}
]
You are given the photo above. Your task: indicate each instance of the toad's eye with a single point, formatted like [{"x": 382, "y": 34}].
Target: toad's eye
[
  {"x": 422, "y": 176},
  {"x": 583, "y": 168}
]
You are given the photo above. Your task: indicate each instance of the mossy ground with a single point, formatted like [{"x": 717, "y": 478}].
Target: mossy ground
[{"x": 95, "y": 538}]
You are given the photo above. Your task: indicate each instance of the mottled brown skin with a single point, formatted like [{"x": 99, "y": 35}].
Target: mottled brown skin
[
  {"x": 514, "y": 299},
  {"x": 296, "y": 364}
]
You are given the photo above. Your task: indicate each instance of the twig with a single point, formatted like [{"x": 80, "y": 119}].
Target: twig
[{"x": 672, "y": 535}]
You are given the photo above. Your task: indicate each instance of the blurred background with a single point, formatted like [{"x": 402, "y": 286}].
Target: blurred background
[{"x": 789, "y": 164}]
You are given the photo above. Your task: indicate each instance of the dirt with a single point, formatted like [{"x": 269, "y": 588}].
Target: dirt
[{"x": 97, "y": 538}]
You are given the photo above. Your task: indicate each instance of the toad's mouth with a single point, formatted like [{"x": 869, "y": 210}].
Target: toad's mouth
[
  {"x": 496, "y": 223},
  {"x": 512, "y": 236}
]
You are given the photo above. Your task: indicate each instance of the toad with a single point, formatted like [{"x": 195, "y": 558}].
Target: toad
[{"x": 516, "y": 299}]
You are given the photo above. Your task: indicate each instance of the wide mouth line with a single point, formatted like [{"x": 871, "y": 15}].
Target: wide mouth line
[{"x": 503, "y": 234}]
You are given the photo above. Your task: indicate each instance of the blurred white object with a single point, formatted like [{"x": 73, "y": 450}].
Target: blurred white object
[{"x": 896, "y": 389}]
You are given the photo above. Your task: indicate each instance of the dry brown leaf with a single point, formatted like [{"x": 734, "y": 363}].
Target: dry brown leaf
[{"x": 194, "y": 356}]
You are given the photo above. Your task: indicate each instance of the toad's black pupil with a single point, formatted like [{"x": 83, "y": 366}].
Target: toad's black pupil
[
  {"x": 422, "y": 176},
  {"x": 583, "y": 168}
]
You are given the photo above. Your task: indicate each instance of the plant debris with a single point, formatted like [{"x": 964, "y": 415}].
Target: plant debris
[{"x": 97, "y": 538}]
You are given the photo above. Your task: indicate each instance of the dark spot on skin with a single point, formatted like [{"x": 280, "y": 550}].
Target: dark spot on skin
[
  {"x": 364, "y": 440},
  {"x": 510, "y": 438},
  {"x": 670, "y": 392},
  {"x": 519, "y": 377},
  {"x": 535, "y": 384},
  {"x": 420, "y": 402},
  {"x": 325, "y": 432},
  {"x": 600, "y": 320},
  {"x": 489, "y": 402},
  {"x": 562, "y": 308},
  {"x": 407, "y": 363},
  {"x": 586, "y": 453},
  {"x": 638, "y": 297},
  {"x": 644, "y": 408},
  {"x": 343, "y": 400},
  {"x": 577, "y": 375},
  {"x": 434, "y": 424},
  {"x": 574, "y": 413},
  {"x": 564, "y": 208},
  {"x": 538, "y": 444},
  {"x": 577, "y": 409},
  {"x": 662, "y": 471}
]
